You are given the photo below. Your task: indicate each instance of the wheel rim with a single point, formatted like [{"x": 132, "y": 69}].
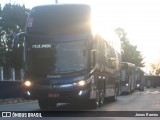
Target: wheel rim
[
  {"x": 46, "y": 104},
  {"x": 101, "y": 98},
  {"x": 97, "y": 99},
  {"x": 115, "y": 94}
]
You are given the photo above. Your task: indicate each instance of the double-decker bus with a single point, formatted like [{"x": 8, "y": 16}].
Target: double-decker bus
[
  {"x": 64, "y": 61},
  {"x": 127, "y": 77},
  {"x": 139, "y": 79}
]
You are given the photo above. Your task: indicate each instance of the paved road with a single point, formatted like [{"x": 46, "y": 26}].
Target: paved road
[{"x": 147, "y": 100}]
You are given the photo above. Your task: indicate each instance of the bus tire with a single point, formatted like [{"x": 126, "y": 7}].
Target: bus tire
[
  {"x": 141, "y": 89},
  {"x": 101, "y": 94},
  {"x": 95, "y": 103},
  {"x": 114, "y": 98},
  {"x": 46, "y": 104}
]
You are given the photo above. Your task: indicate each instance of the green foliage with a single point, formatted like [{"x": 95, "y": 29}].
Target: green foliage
[
  {"x": 129, "y": 51},
  {"x": 12, "y": 21},
  {"x": 0, "y": 24},
  {"x": 155, "y": 68}
]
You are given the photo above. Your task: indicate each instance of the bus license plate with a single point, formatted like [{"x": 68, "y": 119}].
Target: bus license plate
[{"x": 54, "y": 95}]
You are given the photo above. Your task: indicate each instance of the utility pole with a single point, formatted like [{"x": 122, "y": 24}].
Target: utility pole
[{"x": 56, "y": 1}]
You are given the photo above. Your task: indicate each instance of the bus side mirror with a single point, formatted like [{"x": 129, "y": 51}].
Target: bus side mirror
[{"x": 18, "y": 50}]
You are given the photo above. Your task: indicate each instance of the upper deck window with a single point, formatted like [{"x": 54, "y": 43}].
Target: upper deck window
[{"x": 58, "y": 19}]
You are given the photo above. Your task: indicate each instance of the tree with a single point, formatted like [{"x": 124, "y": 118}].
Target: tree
[
  {"x": 12, "y": 21},
  {"x": 2, "y": 50},
  {"x": 155, "y": 68},
  {"x": 0, "y": 25},
  {"x": 0, "y": 18},
  {"x": 129, "y": 51}
]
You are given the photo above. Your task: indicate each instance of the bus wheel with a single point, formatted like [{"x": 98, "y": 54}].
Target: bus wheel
[
  {"x": 46, "y": 104},
  {"x": 95, "y": 103},
  {"x": 101, "y": 96},
  {"x": 141, "y": 89},
  {"x": 114, "y": 98}
]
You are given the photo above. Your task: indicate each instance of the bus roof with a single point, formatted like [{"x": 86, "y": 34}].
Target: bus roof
[
  {"x": 127, "y": 64},
  {"x": 62, "y": 5}
]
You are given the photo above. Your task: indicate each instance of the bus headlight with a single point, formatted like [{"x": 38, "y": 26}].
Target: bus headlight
[
  {"x": 28, "y": 93},
  {"x": 81, "y": 83},
  {"x": 27, "y": 83}
]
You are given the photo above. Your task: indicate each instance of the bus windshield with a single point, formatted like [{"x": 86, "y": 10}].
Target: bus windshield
[
  {"x": 123, "y": 75},
  {"x": 70, "y": 57},
  {"x": 61, "y": 58},
  {"x": 137, "y": 76}
]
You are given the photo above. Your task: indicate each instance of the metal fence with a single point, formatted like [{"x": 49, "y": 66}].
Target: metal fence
[
  {"x": 152, "y": 81},
  {"x": 13, "y": 74},
  {"x": 10, "y": 88}
]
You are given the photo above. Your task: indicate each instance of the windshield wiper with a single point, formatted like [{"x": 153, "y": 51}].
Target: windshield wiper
[{"x": 68, "y": 71}]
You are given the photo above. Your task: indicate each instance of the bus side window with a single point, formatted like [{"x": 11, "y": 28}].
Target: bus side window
[
  {"x": 94, "y": 51},
  {"x": 106, "y": 51}
]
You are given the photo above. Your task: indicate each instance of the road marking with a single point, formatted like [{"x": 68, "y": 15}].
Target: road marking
[{"x": 151, "y": 92}]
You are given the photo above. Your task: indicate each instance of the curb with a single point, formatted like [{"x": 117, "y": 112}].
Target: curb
[{"x": 13, "y": 101}]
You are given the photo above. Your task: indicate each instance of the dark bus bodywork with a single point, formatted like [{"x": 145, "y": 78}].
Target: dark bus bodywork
[
  {"x": 127, "y": 77},
  {"x": 64, "y": 61},
  {"x": 139, "y": 79}
]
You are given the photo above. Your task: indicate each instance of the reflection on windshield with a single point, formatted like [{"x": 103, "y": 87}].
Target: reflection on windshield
[
  {"x": 63, "y": 57},
  {"x": 62, "y": 19},
  {"x": 69, "y": 57},
  {"x": 40, "y": 60},
  {"x": 137, "y": 77},
  {"x": 123, "y": 75}
]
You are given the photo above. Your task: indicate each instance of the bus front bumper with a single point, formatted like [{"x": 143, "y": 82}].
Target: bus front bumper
[
  {"x": 60, "y": 93},
  {"x": 124, "y": 89}
]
